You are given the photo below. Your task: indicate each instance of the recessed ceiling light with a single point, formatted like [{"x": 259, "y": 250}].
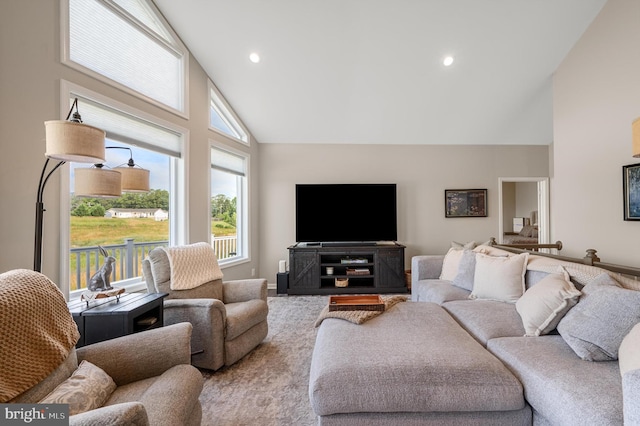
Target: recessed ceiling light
[
  {"x": 448, "y": 60},
  {"x": 254, "y": 57}
]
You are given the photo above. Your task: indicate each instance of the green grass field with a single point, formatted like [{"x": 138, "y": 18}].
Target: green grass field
[{"x": 93, "y": 231}]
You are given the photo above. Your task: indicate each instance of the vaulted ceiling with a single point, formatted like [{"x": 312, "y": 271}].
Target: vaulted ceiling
[{"x": 371, "y": 71}]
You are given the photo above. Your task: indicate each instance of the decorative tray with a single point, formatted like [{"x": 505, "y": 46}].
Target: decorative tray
[{"x": 356, "y": 303}]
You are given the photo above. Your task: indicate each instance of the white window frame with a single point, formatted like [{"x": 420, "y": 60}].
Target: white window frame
[
  {"x": 227, "y": 114},
  {"x": 244, "y": 239},
  {"x": 178, "y": 46},
  {"x": 178, "y": 199}
]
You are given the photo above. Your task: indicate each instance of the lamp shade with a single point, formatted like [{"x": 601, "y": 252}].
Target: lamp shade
[
  {"x": 134, "y": 179},
  {"x": 97, "y": 182},
  {"x": 71, "y": 141},
  {"x": 635, "y": 132}
]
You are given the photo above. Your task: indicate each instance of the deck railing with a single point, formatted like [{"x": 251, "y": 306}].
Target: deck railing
[{"x": 85, "y": 261}]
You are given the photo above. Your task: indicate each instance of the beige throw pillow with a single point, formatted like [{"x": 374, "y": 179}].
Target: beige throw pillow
[
  {"x": 450, "y": 264},
  {"x": 545, "y": 303},
  {"x": 88, "y": 388},
  {"x": 499, "y": 278}
]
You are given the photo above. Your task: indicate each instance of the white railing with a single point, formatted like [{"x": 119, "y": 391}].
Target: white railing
[
  {"x": 87, "y": 260},
  {"x": 225, "y": 246}
]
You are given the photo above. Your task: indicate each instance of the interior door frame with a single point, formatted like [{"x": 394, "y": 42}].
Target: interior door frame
[{"x": 543, "y": 206}]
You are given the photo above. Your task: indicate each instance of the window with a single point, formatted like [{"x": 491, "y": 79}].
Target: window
[
  {"x": 229, "y": 231},
  {"x": 133, "y": 224},
  {"x": 222, "y": 119},
  {"x": 128, "y": 42}
]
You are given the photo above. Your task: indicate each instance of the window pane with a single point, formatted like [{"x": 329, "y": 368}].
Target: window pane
[
  {"x": 218, "y": 122},
  {"x": 224, "y": 213},
  {"x": 128, "y": 227},
  {"x": 110, "y": 45},
  {"x": 222, "y": 119}
]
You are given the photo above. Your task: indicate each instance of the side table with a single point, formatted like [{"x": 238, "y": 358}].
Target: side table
[{"x": 104, "y": 319}]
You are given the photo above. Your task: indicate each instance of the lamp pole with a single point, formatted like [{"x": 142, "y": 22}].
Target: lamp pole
[{"x": 37, "y": 250}]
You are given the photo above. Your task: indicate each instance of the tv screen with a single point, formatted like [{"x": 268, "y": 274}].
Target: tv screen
[{"x": 346, "y": 212}]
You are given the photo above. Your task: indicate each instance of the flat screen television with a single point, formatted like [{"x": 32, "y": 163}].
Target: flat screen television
[{"x": 346, "y": 213}]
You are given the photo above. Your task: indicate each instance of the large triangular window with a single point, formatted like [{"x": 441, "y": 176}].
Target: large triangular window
[
  {"x": 222, "y": 119},
  {"x": 129, "y": 43}
]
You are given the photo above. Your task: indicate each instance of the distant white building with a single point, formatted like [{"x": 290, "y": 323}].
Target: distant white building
[{"x": 157, "y": 214}]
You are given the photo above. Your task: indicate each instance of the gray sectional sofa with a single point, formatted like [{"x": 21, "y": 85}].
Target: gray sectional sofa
[
  {"x": 560, "y": 387},
  {"x": 462, "y": 354}
]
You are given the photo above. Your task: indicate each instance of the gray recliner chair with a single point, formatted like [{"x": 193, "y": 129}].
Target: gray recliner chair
[
  {"x": 139, "y": 379},
  {"x": 229, "y": 318}
]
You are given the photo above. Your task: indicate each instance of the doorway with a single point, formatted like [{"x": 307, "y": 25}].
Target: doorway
[{"x": 521, "y": 197}]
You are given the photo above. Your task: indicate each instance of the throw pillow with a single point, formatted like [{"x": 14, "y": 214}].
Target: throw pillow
[
  {"x": 466, "y": 270},
  {"x": 604, "y": 315},
  {"x": 462, "y": 246},
  {"x": 450, "y": 264},
  {"x": 543, "y": 305},
  {"x": 492, "y": 251},
  {"x": 88, "y": 388},
  {"x": 499, "y": 278},
  {"x": 629, "y": 352},
  {"x": 526, "y": 231}
]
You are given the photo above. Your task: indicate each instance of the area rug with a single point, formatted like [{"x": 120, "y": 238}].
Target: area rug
[{"x": 269, "y": 386}]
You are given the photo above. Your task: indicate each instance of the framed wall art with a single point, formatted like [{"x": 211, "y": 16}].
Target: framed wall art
[
  {"x": 631, "y": 191},
  {"x": 465, "y": 203}
]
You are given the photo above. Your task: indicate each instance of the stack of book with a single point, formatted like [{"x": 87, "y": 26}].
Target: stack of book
[
  {"x": 358, "y": 271},
  {"x": 354, "y": 260}
]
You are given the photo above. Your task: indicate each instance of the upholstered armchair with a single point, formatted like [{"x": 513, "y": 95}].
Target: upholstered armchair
[
  {"x": 142, "y": 379},
  {"x": 229, "y": 318}
]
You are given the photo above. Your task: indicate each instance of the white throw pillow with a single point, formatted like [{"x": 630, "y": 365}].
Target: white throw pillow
[
  {"x": 629, "y": 352},
  {"x": 499, "y": 278},
  {"x": 450, "y": 264},
  {"x": 543, "y": 305}
]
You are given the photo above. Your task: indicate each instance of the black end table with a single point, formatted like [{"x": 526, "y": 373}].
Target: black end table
[{"x": 104, "y": 319}]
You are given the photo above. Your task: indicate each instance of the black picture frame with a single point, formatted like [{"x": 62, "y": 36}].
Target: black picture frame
[
  {"x": 465, "y": 203},
  {"x": 631, "y": 191}
]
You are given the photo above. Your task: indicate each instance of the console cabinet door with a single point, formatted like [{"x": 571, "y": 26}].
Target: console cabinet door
[
  {"x": 304, "y": 270},
  {"x": 390, "y": 268}
]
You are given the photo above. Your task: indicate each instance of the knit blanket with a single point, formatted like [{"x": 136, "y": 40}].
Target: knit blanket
[
  {"x": 359, "y": 317},
  {"x": 37, "y": 330},
  {"x": 192, "y": 265}
]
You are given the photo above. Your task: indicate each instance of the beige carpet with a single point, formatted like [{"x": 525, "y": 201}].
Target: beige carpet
[{"x": 270, "y": 385}]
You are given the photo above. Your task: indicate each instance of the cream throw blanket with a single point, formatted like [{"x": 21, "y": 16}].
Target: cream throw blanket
[
  {"x": 581, "y": 273},
  {"x": 358, "y": 317},
  {"x": 37, "y": 330},
  {"x": 192, "y": 265}
]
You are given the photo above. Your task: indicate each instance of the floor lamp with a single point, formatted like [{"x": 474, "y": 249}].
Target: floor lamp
[{"x": 66, "y": 140}]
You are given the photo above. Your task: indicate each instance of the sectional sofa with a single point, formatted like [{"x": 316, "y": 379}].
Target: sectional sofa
[{"x": 490, "y": 337}]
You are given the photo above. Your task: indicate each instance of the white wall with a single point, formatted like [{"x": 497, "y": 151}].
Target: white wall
[
  {"x": 508, "y": 206},
  {"x": 596, "y": 97},
  {"x": 421, "y": 173},
  {"x": 30, "y": 74},
  {"x": 526, "y": 198}
]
